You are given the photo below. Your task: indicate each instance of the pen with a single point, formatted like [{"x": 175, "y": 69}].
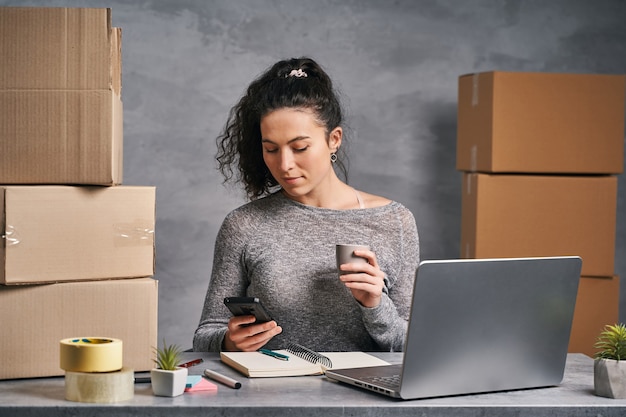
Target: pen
[
  {"x": 191, "y": 363},
  {"x": 274, "y": 354},
  {"x": 222, "y": 378}
]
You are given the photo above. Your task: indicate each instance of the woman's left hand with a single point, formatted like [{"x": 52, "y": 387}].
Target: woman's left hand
[{"x": 364, "y": 280}]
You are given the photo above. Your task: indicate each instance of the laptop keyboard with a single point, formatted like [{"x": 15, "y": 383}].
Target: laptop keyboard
[{"x": 391, "y": 381}]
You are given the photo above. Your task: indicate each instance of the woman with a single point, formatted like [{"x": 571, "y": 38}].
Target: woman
[{"x": 284, "y": 136}]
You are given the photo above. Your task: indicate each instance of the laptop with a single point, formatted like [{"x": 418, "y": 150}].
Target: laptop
[{"x": 481, "y": 325}]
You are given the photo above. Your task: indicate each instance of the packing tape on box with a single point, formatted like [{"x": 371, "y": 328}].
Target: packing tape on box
[
  {"x": 103, "y": 388},
  {"x": 91, "y": 354}
]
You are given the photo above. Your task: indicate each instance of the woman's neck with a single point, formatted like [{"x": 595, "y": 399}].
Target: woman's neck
[{"x": 337, "y": 195}]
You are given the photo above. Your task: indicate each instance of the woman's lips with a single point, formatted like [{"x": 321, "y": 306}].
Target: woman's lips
[{"x": 291, "y": 180}]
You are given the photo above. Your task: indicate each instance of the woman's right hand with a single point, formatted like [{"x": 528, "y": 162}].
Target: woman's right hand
[{"x": 244, "y": 336}]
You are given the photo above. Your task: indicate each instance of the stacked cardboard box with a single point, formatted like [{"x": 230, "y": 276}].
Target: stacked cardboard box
[
  {"x": 76, "y": 246},
  {"x": 539, "y": 154},
  {"x": 60, "y": 97}
]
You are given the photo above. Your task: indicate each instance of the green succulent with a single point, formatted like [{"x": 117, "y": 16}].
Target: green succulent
[
  {"x": 612, "y": 342},
  {"x": 168, "y": 357}
]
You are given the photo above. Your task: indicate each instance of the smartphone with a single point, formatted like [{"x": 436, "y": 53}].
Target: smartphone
[{"x": 242, "y": 306}]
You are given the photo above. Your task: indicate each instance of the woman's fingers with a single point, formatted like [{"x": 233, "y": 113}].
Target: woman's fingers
[{"x": 245, "y": 336}]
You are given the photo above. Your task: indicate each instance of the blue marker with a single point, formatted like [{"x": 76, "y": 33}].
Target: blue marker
[{"x": 273, "y": 354}]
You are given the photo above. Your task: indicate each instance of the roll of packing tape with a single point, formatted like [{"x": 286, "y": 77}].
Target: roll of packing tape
[
  {"x": 103, "y": 388},
  {"x": 91, "y": 354}
]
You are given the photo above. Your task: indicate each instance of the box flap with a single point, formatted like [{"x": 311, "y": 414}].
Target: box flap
[
  {"x": 58, "y": 48},
  {"x": 61, "y": 137}
]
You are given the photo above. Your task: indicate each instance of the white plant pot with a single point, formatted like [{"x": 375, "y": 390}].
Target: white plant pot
[
  {"x": 168, "y": 383},
  {"x": 609, "y": 378}
]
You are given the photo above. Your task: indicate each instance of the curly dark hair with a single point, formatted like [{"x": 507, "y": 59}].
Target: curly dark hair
[{"x": 239, "y": 144}]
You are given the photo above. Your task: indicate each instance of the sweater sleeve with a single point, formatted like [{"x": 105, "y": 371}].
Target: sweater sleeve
[
  {"x": 387, "y": 323},
  {"x": 228, "y": 279}
]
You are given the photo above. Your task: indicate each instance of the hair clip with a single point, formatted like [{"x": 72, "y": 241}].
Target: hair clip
[{"x": 298, "y": 73}]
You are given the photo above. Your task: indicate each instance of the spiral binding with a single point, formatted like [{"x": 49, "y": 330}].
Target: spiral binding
[{"x": 309, "y": 355}]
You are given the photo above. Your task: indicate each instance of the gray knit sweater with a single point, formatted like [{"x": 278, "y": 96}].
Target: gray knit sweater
[{"x": 283, "y": 252}]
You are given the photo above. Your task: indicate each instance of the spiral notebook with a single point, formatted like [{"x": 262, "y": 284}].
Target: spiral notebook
[{"x": 301, "y": 361}]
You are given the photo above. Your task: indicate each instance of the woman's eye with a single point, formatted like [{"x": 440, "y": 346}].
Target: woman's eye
[
  {"x": 270, "y": 150},
  {"x": 302, "y": 149}
]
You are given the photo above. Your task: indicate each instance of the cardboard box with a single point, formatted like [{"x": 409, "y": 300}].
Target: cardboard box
[
  {"x": 597, "y": 305},
  {"x": 69, "y": 233},
  {"x": 537, "y": 215},
  {"x": 515, "y": 122},
  {"x": 61, "y": 116},
  {"x": 61, "y": 137},
  {"x": 57, "y": 48},
  {"x": 35, "y": 318}
]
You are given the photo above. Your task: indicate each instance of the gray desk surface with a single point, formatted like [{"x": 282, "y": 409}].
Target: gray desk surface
[{"x": 315, "y": 396}]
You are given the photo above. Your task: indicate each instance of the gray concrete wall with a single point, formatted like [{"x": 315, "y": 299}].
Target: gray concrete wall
[{"x": 396, "y": 62}]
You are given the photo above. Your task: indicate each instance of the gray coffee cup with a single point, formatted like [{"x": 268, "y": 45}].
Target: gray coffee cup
[{"x": 345, "y": 255}]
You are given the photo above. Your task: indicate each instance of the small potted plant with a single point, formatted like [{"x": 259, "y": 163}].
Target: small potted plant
[
  {"x": 168, "y": 378},
  {"x": 609, "y": 369}
]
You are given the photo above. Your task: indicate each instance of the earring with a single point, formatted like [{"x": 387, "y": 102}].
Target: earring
[{"x": 333, "y": 157}]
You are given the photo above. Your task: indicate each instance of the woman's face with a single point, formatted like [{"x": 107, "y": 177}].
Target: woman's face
[{"x": 297, "y": 152}]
